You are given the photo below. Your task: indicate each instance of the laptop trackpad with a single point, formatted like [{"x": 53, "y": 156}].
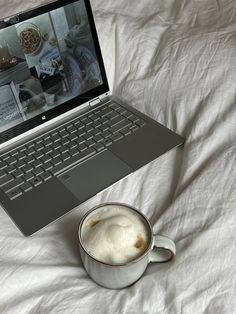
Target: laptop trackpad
[{"x": 94, "y": 175}]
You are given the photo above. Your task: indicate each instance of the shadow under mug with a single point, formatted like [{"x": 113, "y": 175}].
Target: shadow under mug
[{"x": 116, "y": 276}]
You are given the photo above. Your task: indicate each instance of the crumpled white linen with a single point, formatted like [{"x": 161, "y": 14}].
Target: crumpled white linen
[{"x": 176, "y": 62}]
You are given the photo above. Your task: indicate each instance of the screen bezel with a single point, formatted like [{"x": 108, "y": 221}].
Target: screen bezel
[{"x": 73, "y": 103}]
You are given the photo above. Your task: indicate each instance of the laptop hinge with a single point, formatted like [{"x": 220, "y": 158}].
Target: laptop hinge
[{"x": 95, "y": 102}]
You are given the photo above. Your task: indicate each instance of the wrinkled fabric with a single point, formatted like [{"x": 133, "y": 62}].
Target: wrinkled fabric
[{"x": 176, "y": 62}]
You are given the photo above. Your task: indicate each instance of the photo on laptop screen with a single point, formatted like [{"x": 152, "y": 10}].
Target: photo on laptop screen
[{"x": 46, "y": 61}]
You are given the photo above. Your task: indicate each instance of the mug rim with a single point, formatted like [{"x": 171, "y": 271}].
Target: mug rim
[{"x": 148, "y": 249}]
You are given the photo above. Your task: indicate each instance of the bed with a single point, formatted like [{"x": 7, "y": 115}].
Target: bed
[{"x": 176, "y": 62}]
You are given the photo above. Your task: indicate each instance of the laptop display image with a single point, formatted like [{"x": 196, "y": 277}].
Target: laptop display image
[
  {"x": 46, "y": 61},
  {"x": 63, "y": 136}
]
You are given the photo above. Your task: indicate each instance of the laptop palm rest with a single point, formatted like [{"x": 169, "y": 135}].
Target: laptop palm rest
[{"x": 97, "y": 173}]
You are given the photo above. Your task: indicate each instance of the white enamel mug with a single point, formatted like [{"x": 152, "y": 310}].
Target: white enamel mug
[{"x": 116, "y": 276}]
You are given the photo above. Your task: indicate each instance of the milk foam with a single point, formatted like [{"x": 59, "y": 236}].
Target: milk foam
[{"x": 114, "y": 234}]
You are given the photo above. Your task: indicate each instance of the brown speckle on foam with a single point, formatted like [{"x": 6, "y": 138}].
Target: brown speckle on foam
[
  {"x": 93, "y": 223},
  {"x": 140, "y": 244}
]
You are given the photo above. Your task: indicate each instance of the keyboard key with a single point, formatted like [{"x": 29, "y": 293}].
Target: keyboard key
[
  {"x": 26, "y": 187},
  {"x": 103, "y": 120},
  {"x": 98, "y": 138},
  {"x": 64, "y": 141},
  {"x": 64, "y": 133},
  {"x": 73, "y": 152},
  {"x": 38, "y": 154},
  {"x": 72, "y": 137},
  {"x": 28, "y": 176},
  {"x": 95, "y": 132},
  {"x": 56, "y": 138},
  {"x": 21, "y": 156},
  {"x": 28, "y": 168},
  {"x": 65, "y": 156},
  {"x": 38, "y": 171},
  {"x": 106, "y": 142},
  {"x": 14, "y": 194},
  {"x": 2, "y": 173},
  {"x": 80, "y": 133},
  {"x": 140, "y": 122},
  {"x": 88, "y": 128},
  {"x": 61, "y": 129},
  {"x": 126, "y": 131},
  {"x": 107, "y": 134},
  {"x": 73, "y": 160},
  {"x": 10, "y": 169},
  {"x": 3, "y": 165},
  {"x": 22, "y": 149},
  {"x": 79, "y": 125},
  {"x": 21, "y": 163},
  {"x": 81, "y": 140},
  {"x": 96, "y": 124},
  {"x": 56, "y": 161},
  {"x": 48, "y": 142},
  {"x": 11, "y": 160},
  {"x": 36, "y": 181},
  {"x": 53, "y": 133},
  {"x": 5, "y": 157},
  {"x": 104, "y": 128},
  {"x": 18, "y": 173},
  {"x": 27, "y": 160},
  {"x": 55, "y": 154},
  {"x": 55, "y": 146},
  {"x": 88, "y": 136},
  {"x": 90, "y": 143},
  {"x": 47, "y": 150},
  {"x": 30, "y": 151},
  {"x": 31, "y": 144},
  {"x": 63, "y": 149},
  {"x": 47, "y": 166},
  {"x": 14, "y": 153},
  {"x": 115, "y": 137},
  {"x": 46, "y": 158},
  {"x": 82, "y": 147},
  {"x": 46, "y": 176},
  {"x": 72, "y": 145},
  {"x": 39, "y": 147},
  {"x": 134, "y": 127},
  {"x": 99, "y": 147},
  {"x": 6, "y": 179},
  {"x": 45, "y": 137},
  {"x": 84, "y": 117},
  {"x": 72, "y": 129},
  {"x": 95, "y": 117},
  {"x": 87, "y": 121}
]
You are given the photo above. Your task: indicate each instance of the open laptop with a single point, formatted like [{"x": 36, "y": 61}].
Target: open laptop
[{"x": 63, "y": 137}]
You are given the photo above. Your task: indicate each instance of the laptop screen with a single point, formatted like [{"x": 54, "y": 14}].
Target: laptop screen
[{"x": 50, "y": 62}]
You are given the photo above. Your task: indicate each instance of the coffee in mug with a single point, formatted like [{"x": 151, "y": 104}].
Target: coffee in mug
[
  {"x": 115, "y": 235},
  {"x": 117, "y": 243}
]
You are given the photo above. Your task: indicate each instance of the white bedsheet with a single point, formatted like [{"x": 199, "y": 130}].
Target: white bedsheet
[{"x": 175, "y": 61}]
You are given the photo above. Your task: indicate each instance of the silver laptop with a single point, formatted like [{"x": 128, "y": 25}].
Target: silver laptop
[{"x": 63, "y": 137}]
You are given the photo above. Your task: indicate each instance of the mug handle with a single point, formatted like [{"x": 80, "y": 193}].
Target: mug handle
[{"x": 164, "y": 249}]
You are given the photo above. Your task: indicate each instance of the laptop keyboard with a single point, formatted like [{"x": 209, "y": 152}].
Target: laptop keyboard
[{"x": 37, "y": 161}]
